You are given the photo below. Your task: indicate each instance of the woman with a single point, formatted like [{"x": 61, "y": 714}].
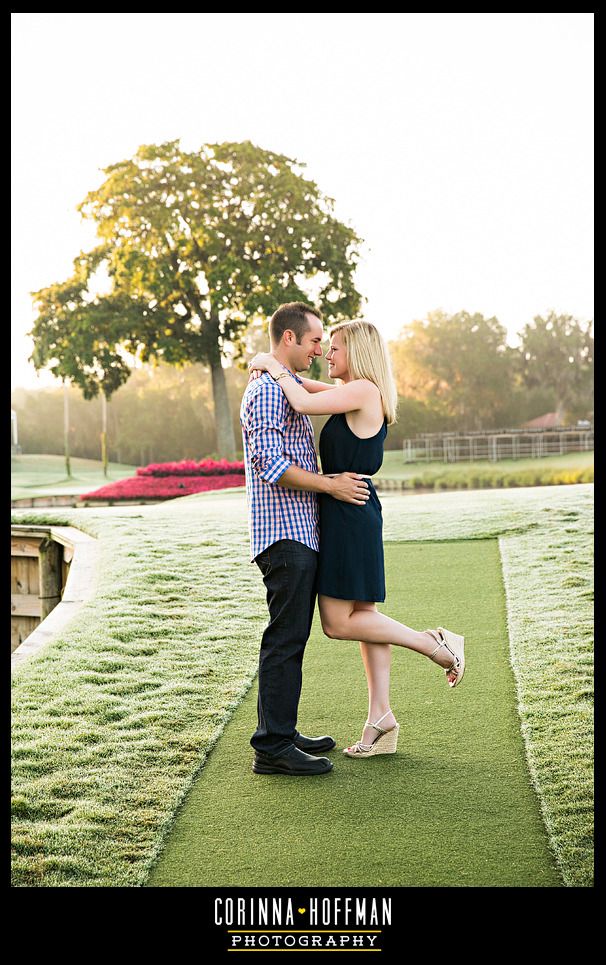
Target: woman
[{"x": 351, "y": 578}]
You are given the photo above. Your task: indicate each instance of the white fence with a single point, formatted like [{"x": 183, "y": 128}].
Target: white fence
[{"x": 507, "y": 444}]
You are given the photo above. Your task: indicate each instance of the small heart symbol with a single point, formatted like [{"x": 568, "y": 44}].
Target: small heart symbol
[{"x": 301, "y": 910}]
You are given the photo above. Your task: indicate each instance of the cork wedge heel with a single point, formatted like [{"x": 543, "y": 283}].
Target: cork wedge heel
[{"x": 385, "y": 743}]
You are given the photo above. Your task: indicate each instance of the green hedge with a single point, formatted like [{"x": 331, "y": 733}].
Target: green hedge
[{"x": 498, "y": 478}]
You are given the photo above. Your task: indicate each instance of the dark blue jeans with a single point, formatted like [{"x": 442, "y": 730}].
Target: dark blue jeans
[{"x": 289, "y": 573}]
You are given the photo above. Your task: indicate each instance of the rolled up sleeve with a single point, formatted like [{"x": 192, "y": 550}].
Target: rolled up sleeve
[{"x": 265, "y": 413}]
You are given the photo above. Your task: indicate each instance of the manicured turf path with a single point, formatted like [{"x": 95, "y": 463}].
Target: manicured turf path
[{"x": 453, "y": 807}]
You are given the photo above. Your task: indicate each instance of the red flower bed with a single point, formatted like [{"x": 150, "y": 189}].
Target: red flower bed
[
  {"x": 169, "y": 487},
  {"x": 189, "y": 467}
]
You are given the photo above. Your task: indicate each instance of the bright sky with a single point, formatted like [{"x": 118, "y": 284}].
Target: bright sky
[{"x": 458, "y": 146}]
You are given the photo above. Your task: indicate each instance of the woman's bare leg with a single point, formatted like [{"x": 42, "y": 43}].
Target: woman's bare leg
[
  {"x": 377, "y": 664},
  {"x": 342, "y": 621}
]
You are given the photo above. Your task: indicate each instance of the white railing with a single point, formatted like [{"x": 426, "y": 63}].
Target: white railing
[{"x": 509, "y": 444}]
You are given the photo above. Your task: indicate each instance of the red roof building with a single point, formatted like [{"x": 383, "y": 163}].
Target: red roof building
[{"x": 550, "y": 420}]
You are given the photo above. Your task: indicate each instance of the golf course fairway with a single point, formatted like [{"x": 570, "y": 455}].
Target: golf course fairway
[{"x": 453, "y": 807}]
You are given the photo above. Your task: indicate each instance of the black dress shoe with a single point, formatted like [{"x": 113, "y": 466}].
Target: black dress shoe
[
  {"x": 314, "y": 745},
  {"x": 292, "y": 761}
]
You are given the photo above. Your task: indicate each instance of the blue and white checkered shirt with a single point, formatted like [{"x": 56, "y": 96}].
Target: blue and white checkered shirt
[{"x": 276, "y": 437}]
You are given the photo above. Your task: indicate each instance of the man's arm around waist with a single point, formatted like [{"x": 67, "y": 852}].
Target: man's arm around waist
[{"x": 347, "y": 486}]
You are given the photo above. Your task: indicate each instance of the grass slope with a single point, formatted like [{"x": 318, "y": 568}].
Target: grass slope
[
  {"x": 44, "y": 475},
  {"x": 114, "y": 719},
  {"x": 453, "y": 807},
  {"x": 549, "y": 582}
]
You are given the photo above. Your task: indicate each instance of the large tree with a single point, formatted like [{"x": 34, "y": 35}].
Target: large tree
[
  {"x": 195, "y": 245},
  {"x": 557, "y": 352},
  {"x": 458, "y": 364}
]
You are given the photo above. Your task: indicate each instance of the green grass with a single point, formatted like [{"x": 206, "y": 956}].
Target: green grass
[
  {"x": 44, "y": 475},
  {"x": 443, "y": 811},
  {"x": 394, "y": 466},
  {"x": 549, "y": 580},
  {"x": 115, "y": 718}
]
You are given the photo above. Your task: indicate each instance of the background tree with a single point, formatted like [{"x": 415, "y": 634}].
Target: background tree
[
  {"x": 556, "y": 352},
  {"x": 196, "y": 245},
  {"x": 458, "y": 365},
  {"x": 163, "y": 413},
  {"x": 76, "y": 335}
]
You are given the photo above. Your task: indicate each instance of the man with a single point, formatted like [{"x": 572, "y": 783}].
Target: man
[{"x": 282, "y": 483}]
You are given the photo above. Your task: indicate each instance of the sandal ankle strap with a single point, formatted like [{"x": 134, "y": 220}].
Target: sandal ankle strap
[
  {"x": 375, "y": 724},
  {"x": 442, "y": 643}
]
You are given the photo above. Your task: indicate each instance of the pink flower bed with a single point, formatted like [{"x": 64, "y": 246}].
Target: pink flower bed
[
  {"x": 189, "y": 467},
  {"x": 166, "y": 487}
]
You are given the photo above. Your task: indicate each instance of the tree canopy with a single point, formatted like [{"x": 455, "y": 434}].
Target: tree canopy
[
  {"x": 195, "y": 245},
  {"x": 77, "y": 335},
  {"x": 458, "y": 363},
  {"x": 558, "y": 350}
]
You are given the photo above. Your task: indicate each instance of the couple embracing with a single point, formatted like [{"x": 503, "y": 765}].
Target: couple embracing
[{"x": 320, "y": 534}]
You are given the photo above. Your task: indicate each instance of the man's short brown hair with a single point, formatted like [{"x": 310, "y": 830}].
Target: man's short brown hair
[{"x": 291, "y": 316}]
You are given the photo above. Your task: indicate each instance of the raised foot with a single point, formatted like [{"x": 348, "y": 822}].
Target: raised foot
[{"x": 449, "y": 653}]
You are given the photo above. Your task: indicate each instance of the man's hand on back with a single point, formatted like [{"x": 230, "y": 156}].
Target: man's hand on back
[{"x": 349, "y": 487}]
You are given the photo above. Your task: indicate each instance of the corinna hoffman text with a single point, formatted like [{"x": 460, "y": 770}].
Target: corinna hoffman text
[{"x": 315, "y": 912}]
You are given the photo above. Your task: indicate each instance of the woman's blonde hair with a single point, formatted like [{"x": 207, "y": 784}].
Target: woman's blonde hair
[{"x": 368, "y": 358}]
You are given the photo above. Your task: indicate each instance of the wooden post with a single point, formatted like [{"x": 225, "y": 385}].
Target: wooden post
[{"x": 51, "y": 556}]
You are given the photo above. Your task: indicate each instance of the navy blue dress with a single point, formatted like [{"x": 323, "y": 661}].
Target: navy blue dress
[{"x": 350, "y": 563}]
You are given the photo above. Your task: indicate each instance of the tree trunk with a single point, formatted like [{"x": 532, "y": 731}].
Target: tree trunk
[
  {"x": 66, "y": 427},
  {"x": 104, "y": 432},
  {"x": 226, "y": 443}
]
